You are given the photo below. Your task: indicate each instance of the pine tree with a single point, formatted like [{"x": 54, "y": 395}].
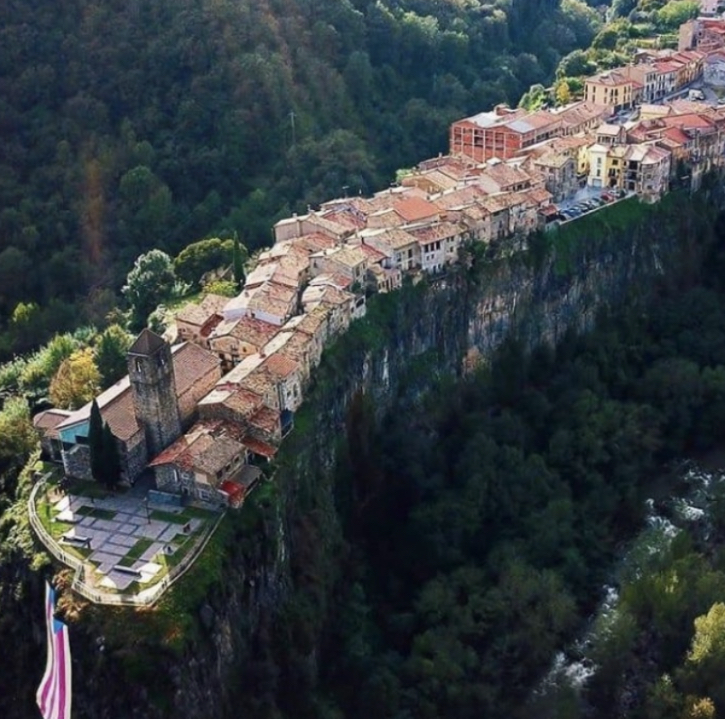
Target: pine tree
[
  {"x": 111, "y": 459},
  {"x": 238, "y": 261},
  {"x": 95, "y": 442}
]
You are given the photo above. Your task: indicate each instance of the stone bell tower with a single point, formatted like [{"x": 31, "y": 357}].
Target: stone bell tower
[{"x": 153, "y": 387}]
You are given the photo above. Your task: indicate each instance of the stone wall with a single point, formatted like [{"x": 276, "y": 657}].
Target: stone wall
[
  {"x": 77, "y": 462},
  {"x": 135, "y": 456}
]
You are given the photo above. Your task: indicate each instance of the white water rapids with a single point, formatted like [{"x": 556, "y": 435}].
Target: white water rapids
[{"x": 572, "y": 668}]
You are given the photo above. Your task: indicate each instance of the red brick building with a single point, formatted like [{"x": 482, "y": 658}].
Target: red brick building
[{"x": 504, "y": 133}]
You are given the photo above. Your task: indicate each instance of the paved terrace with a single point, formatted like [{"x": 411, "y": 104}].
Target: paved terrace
[{"x": 125, "y": 549}]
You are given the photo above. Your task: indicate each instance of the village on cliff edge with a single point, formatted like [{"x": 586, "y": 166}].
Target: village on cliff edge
[{"x": 201, "y": 415}]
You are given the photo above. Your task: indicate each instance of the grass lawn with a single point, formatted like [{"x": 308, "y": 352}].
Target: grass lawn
[
  {"x": 89, "y": 488},
  {"x": 198, "y": 513},
  {"x": 178, "y": 302},
  {"x": 169, "y": 517},
  {"x": 135, "y": 552},
  {"x": 96, "y": 512}
]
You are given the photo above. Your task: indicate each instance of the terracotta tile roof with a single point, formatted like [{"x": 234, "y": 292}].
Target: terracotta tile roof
[
  {"x": 582, "y": 113},
  {"x": 314, "y": 242},
  {"x": 666, "y": 66},
  {"x": 541, "y": 118},
  {"x": 348, "y": 256},
  {"x": 48, "y": 420},
  {"x": 258, "y": 447},
  {"x": 371, "y": 253},
  {"x": 280, "y": 366},
  {"x": 346, "y": 218},
  {"x": 439, "y": 231},
  {"x": 259, "y": 381},
  {"x": 611, "y": 78},
  {"x": 455, "y": 167},
  {"x": 192, "y": 362},
  {"x": 244, "y": 401},
  {"x": 247, "y": 329},
  {"x": 689, "y": 121},
  {"x": 193, "y": 315},
  {"x": 297, "y": 348},
  {"x": 676, "y": 135},
  {"x": 311, "y": 322},
  {"x": 553, "y": 159},
  {"x": 121, "y": 417},
  {"x": 538, "y": 196},
  {"x": 549, "y": 210},
  {"x": 327, "y": 295},
  {"x": 506, "y": 175},
  {"x": 116, "y": 406},
  {"x": 267, "y": 420},
  {"x": 214, "y": 303},
  {"x": 459, "y": 198},
  {"x": 412, "y": 209},
  {"x": 475, "y": 213},
  {"x": 334, "y": 229},
  {"x": 205, "y": 448},
  {"x": 395, "y": 239},
  {"x": 434, "y": 177}
]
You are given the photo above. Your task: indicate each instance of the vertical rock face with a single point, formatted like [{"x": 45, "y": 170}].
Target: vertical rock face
[{"x": 408, "y": 341}]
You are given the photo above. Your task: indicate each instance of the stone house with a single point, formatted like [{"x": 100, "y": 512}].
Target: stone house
[
  {"x": 501, "y": 177},
  {"x": 270, "y": 302},
  {"x": 200, "y": 462},
  {"x": 337, "y": 303},
  {"x": 400, "y": 247},
  {"x": 439, "y": 244},
  {"x": 232, "y": 340},
  {"x": 348, "y": 261},
  {"x": 196, "y": 322},
  {"x": 560, "y": 174},
  {"x": 714, "y": 68}
]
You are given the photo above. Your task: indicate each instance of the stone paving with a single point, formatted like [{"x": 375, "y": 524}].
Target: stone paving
[{"x": 111, "y": 539}]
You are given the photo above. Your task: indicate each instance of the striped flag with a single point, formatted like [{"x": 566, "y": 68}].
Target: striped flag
[{"x": 54, "y": 693}]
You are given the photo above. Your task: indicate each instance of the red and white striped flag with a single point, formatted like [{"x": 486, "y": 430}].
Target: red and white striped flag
[{"x": 54, "y": 693}]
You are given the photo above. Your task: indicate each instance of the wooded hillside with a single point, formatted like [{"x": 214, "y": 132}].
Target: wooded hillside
[{"x": 131, "y": 125}]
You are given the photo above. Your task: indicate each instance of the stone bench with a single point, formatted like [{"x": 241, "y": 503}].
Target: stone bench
[{"x": 127, "y": 570}]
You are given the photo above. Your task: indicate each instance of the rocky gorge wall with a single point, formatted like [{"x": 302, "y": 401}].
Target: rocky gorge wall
[{"x": 245, "y": 624}]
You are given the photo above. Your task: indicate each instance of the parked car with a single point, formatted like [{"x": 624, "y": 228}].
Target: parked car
[{"x": 607, "y": 197}]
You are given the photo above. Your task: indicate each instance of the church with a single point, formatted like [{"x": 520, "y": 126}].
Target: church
[{"x": 147, "y": 410}]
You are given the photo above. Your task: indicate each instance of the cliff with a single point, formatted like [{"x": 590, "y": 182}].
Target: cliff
[{"x": 241, "y": 633}]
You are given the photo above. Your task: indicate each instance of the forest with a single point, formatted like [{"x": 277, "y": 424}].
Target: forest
[
  {"x": 482, "y": 520},
  {"x": 136, "y": 125}
]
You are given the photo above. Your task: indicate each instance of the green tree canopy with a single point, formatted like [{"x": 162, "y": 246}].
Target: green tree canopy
[
  {"x": 76, "y": 382},
  {"x": 150, "y": 282},
  {"x": 110, "y": 354},
  {"x": 201, "y": 257},
  {"x": 95, "y": 442}
]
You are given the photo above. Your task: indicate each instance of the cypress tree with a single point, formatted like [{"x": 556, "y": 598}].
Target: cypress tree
[
  {"x": 238, "y": 261},
  {"x": 111, "y": 459},
  {"x": 95, "y": 442}
]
